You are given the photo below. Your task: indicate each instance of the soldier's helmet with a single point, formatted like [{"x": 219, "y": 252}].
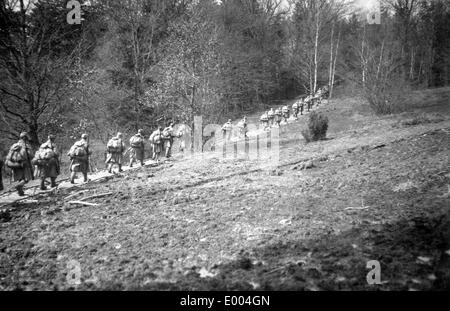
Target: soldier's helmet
[
  {"x": 119, "y": 134},
  {"x": 51, "y": 137},
  {"x": 84, "y": 136},
  {"x": 140, "y": 131}
]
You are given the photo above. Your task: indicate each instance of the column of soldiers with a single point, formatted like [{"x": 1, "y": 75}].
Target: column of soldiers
[
  {"x": 273, "y": 117},
  {"x": 26, "y": 164},
  {"x": 45, "y": 162}
]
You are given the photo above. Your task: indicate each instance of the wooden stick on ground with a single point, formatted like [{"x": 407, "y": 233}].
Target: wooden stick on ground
[
  {"x": 75, "y": 194},
  {"x": 96, "y": 196},
  {"x": 83, "y": 203}
]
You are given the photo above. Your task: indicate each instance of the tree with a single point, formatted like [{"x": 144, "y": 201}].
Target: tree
[
  {"x": 140, "y": 25},
  {"x": 37, "y": 48}
]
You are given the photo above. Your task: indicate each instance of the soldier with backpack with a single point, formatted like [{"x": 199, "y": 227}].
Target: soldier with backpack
[
  {"x": 47, "y": 162},
  {"x": 264, "y": 119},
  {"x": 295, "y": 110},
  {"x": 168, "y": 136},
  {"x": 301, "y": 106},
  {"x": 308, "y": 102},
  {"x": 242, "y": 125},
  {"x": 271, "y": 115},
  {"x": 278, "y": 115},
  {"x": 79, "y": 155},
  {"x": 137, "y": 148},
  {"x": 115, "y": 148},
  {"x": 226, "y": 129},
  {"x": 19, "y": 160},
  {"x": 285, "y": 111},
  {"x": 156, "y": 139}
]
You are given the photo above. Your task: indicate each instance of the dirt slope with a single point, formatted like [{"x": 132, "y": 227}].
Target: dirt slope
[{"x": 377, "y": 189}]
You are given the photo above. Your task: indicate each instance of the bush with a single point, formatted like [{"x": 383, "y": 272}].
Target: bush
[{"x": 317, "y": 127}]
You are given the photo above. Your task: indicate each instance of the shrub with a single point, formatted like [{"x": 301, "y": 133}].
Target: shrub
[{"x": 316, "y": 128}]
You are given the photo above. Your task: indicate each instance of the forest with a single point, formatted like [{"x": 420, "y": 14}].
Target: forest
[{"x": 134, "y": 64}]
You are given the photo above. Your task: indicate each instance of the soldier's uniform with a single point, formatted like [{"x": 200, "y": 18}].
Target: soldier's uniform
[
  {"x": 243, "y": 127},
  {"x": 271, "y": 115},
  {"x": 301, "y": 106},
  {"x": 226, "y": 129},
  {"x": 295, "y": 109},
  {"x": 137, "y": 151},
  {"x": 156, "y": 139},
  {"x": 264, "y": 119},
  {"x": 48, "y": 167},
  {"x": 22, "y": 170},
  {"x": 308, "y": 102},
  {"x": 285, "y": 111},
  {"x": 115, "y": 156},
  {"x": 80, "y": 164},
  {"x": 168, "y": 136},
  {"x": 278, "y": 115}
]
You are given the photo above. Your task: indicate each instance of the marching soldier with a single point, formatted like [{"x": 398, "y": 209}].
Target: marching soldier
[
  {"x": 271, "y": 115},
  {"x": 79, "y": 155},
  {"x": 168, "y": 136},
  {"x": 278, "y": 115},
  {"x": 47, "y": 162},
  {"x": 285, "y": 111},
  {"x": 308, "y": 102},
  {"x": 226, "y": 129},
  {"x": 156, "y": 139},
  {"x": 264, "y": 119},
  {"x": 115, "y": 147},
  {"x": 243, "y": 127},
  {"x": 137, "y": 148},
  {"x": 295, "y": 110},
  {"x": 301, "y": 106},
  {"x": 19, "y": 160}
]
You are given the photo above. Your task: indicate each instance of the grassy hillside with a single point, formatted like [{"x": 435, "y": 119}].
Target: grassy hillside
[{"x": 376, "y": 189}]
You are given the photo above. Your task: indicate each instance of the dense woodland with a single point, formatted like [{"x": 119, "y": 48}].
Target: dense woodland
[{"x": 137, "y": 63}]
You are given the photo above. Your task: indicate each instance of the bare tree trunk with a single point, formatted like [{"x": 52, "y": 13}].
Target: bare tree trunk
[
  {"x": 334, "y": 64},
  {"x": 381, "y": 59},
  {"x": 363, "y": 62},
  {"x": 316, "y": 51},
  {"x": 412, "y": 63},
  {"x": 330, "y": 77}
]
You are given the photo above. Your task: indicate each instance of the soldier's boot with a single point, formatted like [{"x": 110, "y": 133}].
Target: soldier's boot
[
  {"x": 109, "y": 167},
  {"x": 53, "y": 182},
  {"x": 85, "y": 178},
  {"x": 120, "y": 168},
  {"x": 131, "y": 163},
  {"x": 72, "y": 177},
  {"x": 43, "y": 187},
  {"x": 19, "y": 188}
]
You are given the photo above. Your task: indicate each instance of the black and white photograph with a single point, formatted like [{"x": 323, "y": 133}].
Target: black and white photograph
[{"x": 224, "y": 146}]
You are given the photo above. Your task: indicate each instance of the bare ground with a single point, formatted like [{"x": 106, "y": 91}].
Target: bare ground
[{"x": 378, "y": 189}]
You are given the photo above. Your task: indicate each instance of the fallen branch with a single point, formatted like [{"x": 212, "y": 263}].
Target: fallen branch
[
  {"x": 83, "y": 203},
  {"x": 356, "y": 208},
  {"x": 96, "y": 196},
  {"x": 75, "y": 194}
]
